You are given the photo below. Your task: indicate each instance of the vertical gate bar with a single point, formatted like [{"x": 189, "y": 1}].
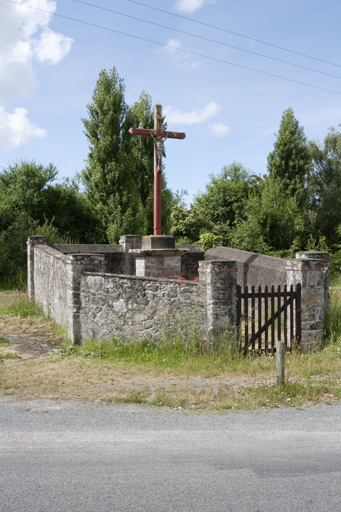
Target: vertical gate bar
[
  {"x": 272, "y": 317},
  {"x": 266, "y": 314},
  {"x": 246, "y": 316},
  {"x": 285, "y": 316},
  {"x": 298, "y": 314},
  {"x": 279, "y": 313},
  {"x": 291, "y": 315},
  {"x": 239, "y": 310},
  {"x": 260, "y": 316},
  {"x": 253, "y": 316}
]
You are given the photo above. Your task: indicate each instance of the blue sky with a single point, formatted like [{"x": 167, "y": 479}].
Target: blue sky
[{"x": 49, "y": 65}]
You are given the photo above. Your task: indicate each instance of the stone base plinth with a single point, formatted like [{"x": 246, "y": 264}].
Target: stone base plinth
[
  {"x": 158, "y": 242},
  {"x": 158, "y": 262}
]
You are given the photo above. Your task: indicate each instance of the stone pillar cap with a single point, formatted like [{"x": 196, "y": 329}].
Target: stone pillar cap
[
  {"x": 312, "y": 255},
  {"x": 142, "y": 253}
]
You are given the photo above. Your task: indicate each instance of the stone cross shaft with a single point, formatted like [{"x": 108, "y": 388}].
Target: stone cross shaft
[{"x": 159, "y": 137}]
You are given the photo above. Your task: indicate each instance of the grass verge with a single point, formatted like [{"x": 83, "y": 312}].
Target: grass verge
[{"x": 172, "y": 374}]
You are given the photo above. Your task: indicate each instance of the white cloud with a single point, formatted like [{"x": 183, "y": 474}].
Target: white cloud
[
  {"x": 195, "y": 116},
  {"x": 191, "y": 5},
  {"x": 219, "y": 129},
  {"x": 16, "y": 130},
  {"x": 179, "y": 54},
  {"x": 25, "y": 39},
  {"x": 52, "y": 47},
  {"x": 173, "y": 45}
]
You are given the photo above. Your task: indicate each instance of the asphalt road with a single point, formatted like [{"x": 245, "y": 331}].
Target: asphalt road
[{"x": 73, "y": 457}]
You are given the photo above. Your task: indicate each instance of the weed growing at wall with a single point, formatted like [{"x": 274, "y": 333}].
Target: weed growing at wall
[{"x": 171, "y": 373}]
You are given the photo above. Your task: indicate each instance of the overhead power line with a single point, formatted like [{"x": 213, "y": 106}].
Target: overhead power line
[
  {"x": 234, "y": 33},
  {"x": 206, "y": 39},
  {"x": 216, "y": 59}
]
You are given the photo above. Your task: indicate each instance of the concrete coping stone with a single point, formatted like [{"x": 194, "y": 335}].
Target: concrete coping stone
[
  {"x": 192, "y": 249},
  {"x": 36, "y": 240},
  {"x": 145, "y": 278},
  {"x": 309, "y": 255},
  {"x": 51, "y": 251},
  {"x": 301, "y": 265},
  {"x": 144, "y": 253},
  {"x": 89, "y": 255},
  {"x": 69, "y": 249}
]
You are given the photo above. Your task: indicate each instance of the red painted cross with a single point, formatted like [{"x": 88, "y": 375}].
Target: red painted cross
[{"x": 159, "y": 137}]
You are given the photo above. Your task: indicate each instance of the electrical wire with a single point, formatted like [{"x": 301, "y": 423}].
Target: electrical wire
[
  {"x": 177, "y": 48},
  {"x": 207, "y": 39},
  {"x": 234, "y": 33}
]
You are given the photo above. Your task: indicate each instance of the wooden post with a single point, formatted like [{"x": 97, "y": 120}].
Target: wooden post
[
  {"x": 280, "y": 360},
  {"x": 157, "y": 170}
]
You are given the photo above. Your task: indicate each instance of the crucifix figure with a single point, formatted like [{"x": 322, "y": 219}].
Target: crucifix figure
[{"x": 159, "y": 137}]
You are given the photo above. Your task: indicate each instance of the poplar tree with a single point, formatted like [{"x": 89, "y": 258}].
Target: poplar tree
[
  {"x": 118, "y": 176},
  {"x": 290, "y": 160},
  {"x": 108, "y": 176}
]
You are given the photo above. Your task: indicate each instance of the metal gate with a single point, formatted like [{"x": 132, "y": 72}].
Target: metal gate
[{"x": 265, "y": 316}]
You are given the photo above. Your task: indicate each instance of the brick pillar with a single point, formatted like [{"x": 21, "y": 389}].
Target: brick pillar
[
  {"x": 311, "y": 269},
  {"x": 31, "y": 243},
  {"x": 130, "y": 242},
  {"x": 77, "y": 265},
  {"x": 221, "y": 285}
]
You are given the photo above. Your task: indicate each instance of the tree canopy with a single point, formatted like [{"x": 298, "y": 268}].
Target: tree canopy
[
  {"x": 290, "y": 159},
  {"x": 118, "y": 177},
  {"x": 32, "y": 201}
]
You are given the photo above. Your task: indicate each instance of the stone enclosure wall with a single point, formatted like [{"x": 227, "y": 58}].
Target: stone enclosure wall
[
  {"x": 131, "y": 307},
  {"x": 253, "y": 269},
  {"x": 92, "y": 290}
]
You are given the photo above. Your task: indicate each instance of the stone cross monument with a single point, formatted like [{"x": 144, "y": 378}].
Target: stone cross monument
[
  {"x": 159, "y": 137},
  {"x": 158, "y": 256}
]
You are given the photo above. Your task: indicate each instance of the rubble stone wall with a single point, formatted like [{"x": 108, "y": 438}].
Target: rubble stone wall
[
  {"x": 130, "y": 307},
  {"x": 80, "y": 292}
]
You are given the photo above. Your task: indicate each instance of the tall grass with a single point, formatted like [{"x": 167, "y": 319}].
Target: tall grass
[
  {"x": 332, "y": 326},
  {"x": 15, "y": 281},
  {"x": 190, "y": 355}
]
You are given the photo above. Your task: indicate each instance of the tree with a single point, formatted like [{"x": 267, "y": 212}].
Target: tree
[
  {"x": 219, "y": 208},
  {"x": 326, "y": 164},
  {"x": 33, "y": 202},
  {"x": 324, "y": 186},
  {"x": 108, "y": 176},
  {"x": 142, "y": 155},
  {"x": 226, "y": 194},
  {"x": 32, "y": 189},
  {"x": 277, "y": 219},
  {"x": 274, "y": 221},
  {"x": 290, "y": 160},
  {"x": 118, "y": 177}
]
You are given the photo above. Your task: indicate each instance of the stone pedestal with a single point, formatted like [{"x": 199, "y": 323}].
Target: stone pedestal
[
  {"x": 158, "y": 257},
  {"x": 158, "y": 242},
  {"x": 311, "y": 270},
  {"x": 158, "y": 262}
]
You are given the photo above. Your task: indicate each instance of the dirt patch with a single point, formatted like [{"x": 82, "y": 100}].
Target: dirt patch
[
  {"x": 28, "y": 348},
  {"x": 28, "y": 338}
]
